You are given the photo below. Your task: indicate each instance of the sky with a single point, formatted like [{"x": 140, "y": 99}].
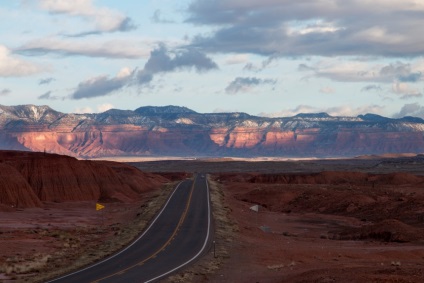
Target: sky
[{"x": 273, "y": 58}]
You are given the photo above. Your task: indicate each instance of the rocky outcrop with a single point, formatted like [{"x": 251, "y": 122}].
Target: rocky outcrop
[
  {"x": 179, "y": 131},
  {"x": 28, "y": 179}
]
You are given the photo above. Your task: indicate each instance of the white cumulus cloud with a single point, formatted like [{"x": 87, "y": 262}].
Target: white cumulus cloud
[
  {"x": 104, "y": 107},
  {"x": 83, "y": 110},
  {"x": 13, "y": 66},
  {"x": 104, "y": 19},
  {"x": 344, "y": 110},
  {"x": 405, "y": 91}
]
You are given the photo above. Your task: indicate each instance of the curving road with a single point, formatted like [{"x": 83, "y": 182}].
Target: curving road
[{"x": 179, "y": 234}]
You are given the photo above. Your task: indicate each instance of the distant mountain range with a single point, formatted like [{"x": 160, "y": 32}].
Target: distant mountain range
[{"x": 179, "y": 131}]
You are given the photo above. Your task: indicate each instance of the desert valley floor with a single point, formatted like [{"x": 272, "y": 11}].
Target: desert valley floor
[{"x": 356, "y": 220}]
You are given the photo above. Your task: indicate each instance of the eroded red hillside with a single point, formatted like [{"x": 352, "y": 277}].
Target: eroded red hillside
[
  {"x": 27, "y": 179},
  {"x": 15, "y": 190},
  {"x": 323, "y": 227},
  {"x": 370, "y": 197}
]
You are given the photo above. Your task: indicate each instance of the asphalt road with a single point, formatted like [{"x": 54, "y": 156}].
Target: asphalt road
[{"x": 178, "y": 235}]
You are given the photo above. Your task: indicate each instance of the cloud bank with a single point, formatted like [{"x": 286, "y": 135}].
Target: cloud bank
[{"x": 310, "y": 27}]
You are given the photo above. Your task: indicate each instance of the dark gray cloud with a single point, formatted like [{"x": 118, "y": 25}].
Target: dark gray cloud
[
  {"x": 246, "y": 84},
  {"x": 298, "y": 28},
  {"x": 257, "y": 68},
  {"x": 239, "y": 39},
  {"x": 5, "y": 91},
  {"x": 46, "y": 81},
  {"x": 372, "y": 88},
  {"x": 161, "y": 60},
  {"x": 48, "y": 95},
  {"x": 411, "y": 78},
  {"x": 99, "y": 86},
  {"x": 411, "y": 109},
  {"x": 144, "y": 77},
  {"x": 127, "y": 25}
]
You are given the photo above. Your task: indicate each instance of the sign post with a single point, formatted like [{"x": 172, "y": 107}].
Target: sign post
[{"x": 100, "y": 207}]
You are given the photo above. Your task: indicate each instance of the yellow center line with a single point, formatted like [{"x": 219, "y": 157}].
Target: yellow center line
[{"x": 182, "y": 218}]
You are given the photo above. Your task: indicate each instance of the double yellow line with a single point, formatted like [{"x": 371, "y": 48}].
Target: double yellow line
[{"x": 162, "y": 248}]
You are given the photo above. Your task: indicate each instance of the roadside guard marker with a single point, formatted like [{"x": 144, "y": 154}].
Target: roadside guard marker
[{"x": 99, "y": 206}]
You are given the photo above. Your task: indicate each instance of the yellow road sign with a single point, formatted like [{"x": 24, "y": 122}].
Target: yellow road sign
[{"x": 99, "y": 206}]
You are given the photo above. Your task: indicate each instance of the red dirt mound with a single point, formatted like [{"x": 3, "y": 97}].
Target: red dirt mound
[
  {"x": 400, "y": 179},
  {"x": 61, "y": 178},
  {"x": 15, "y": 190}
]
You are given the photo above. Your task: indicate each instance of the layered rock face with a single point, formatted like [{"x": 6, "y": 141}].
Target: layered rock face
[
  {"x": 178, "y": 131},
  {"x": 28, "y": 179}
]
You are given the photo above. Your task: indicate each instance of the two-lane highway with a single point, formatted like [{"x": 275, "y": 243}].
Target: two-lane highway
[{"x": 179, "y": 234}]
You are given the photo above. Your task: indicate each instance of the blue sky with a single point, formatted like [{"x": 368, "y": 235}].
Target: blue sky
[{"x": 267, "y": 57}]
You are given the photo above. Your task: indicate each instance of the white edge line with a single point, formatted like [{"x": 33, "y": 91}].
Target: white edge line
[
  {"x": 141, "y": 236},
  {"x": 204, "y": 244}
]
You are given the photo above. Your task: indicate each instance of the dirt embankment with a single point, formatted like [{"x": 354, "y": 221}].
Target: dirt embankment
[{"x": 28, "y": 179}]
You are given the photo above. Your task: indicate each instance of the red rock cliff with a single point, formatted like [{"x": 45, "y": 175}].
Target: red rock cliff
[{"x": 178, "y": 131}]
